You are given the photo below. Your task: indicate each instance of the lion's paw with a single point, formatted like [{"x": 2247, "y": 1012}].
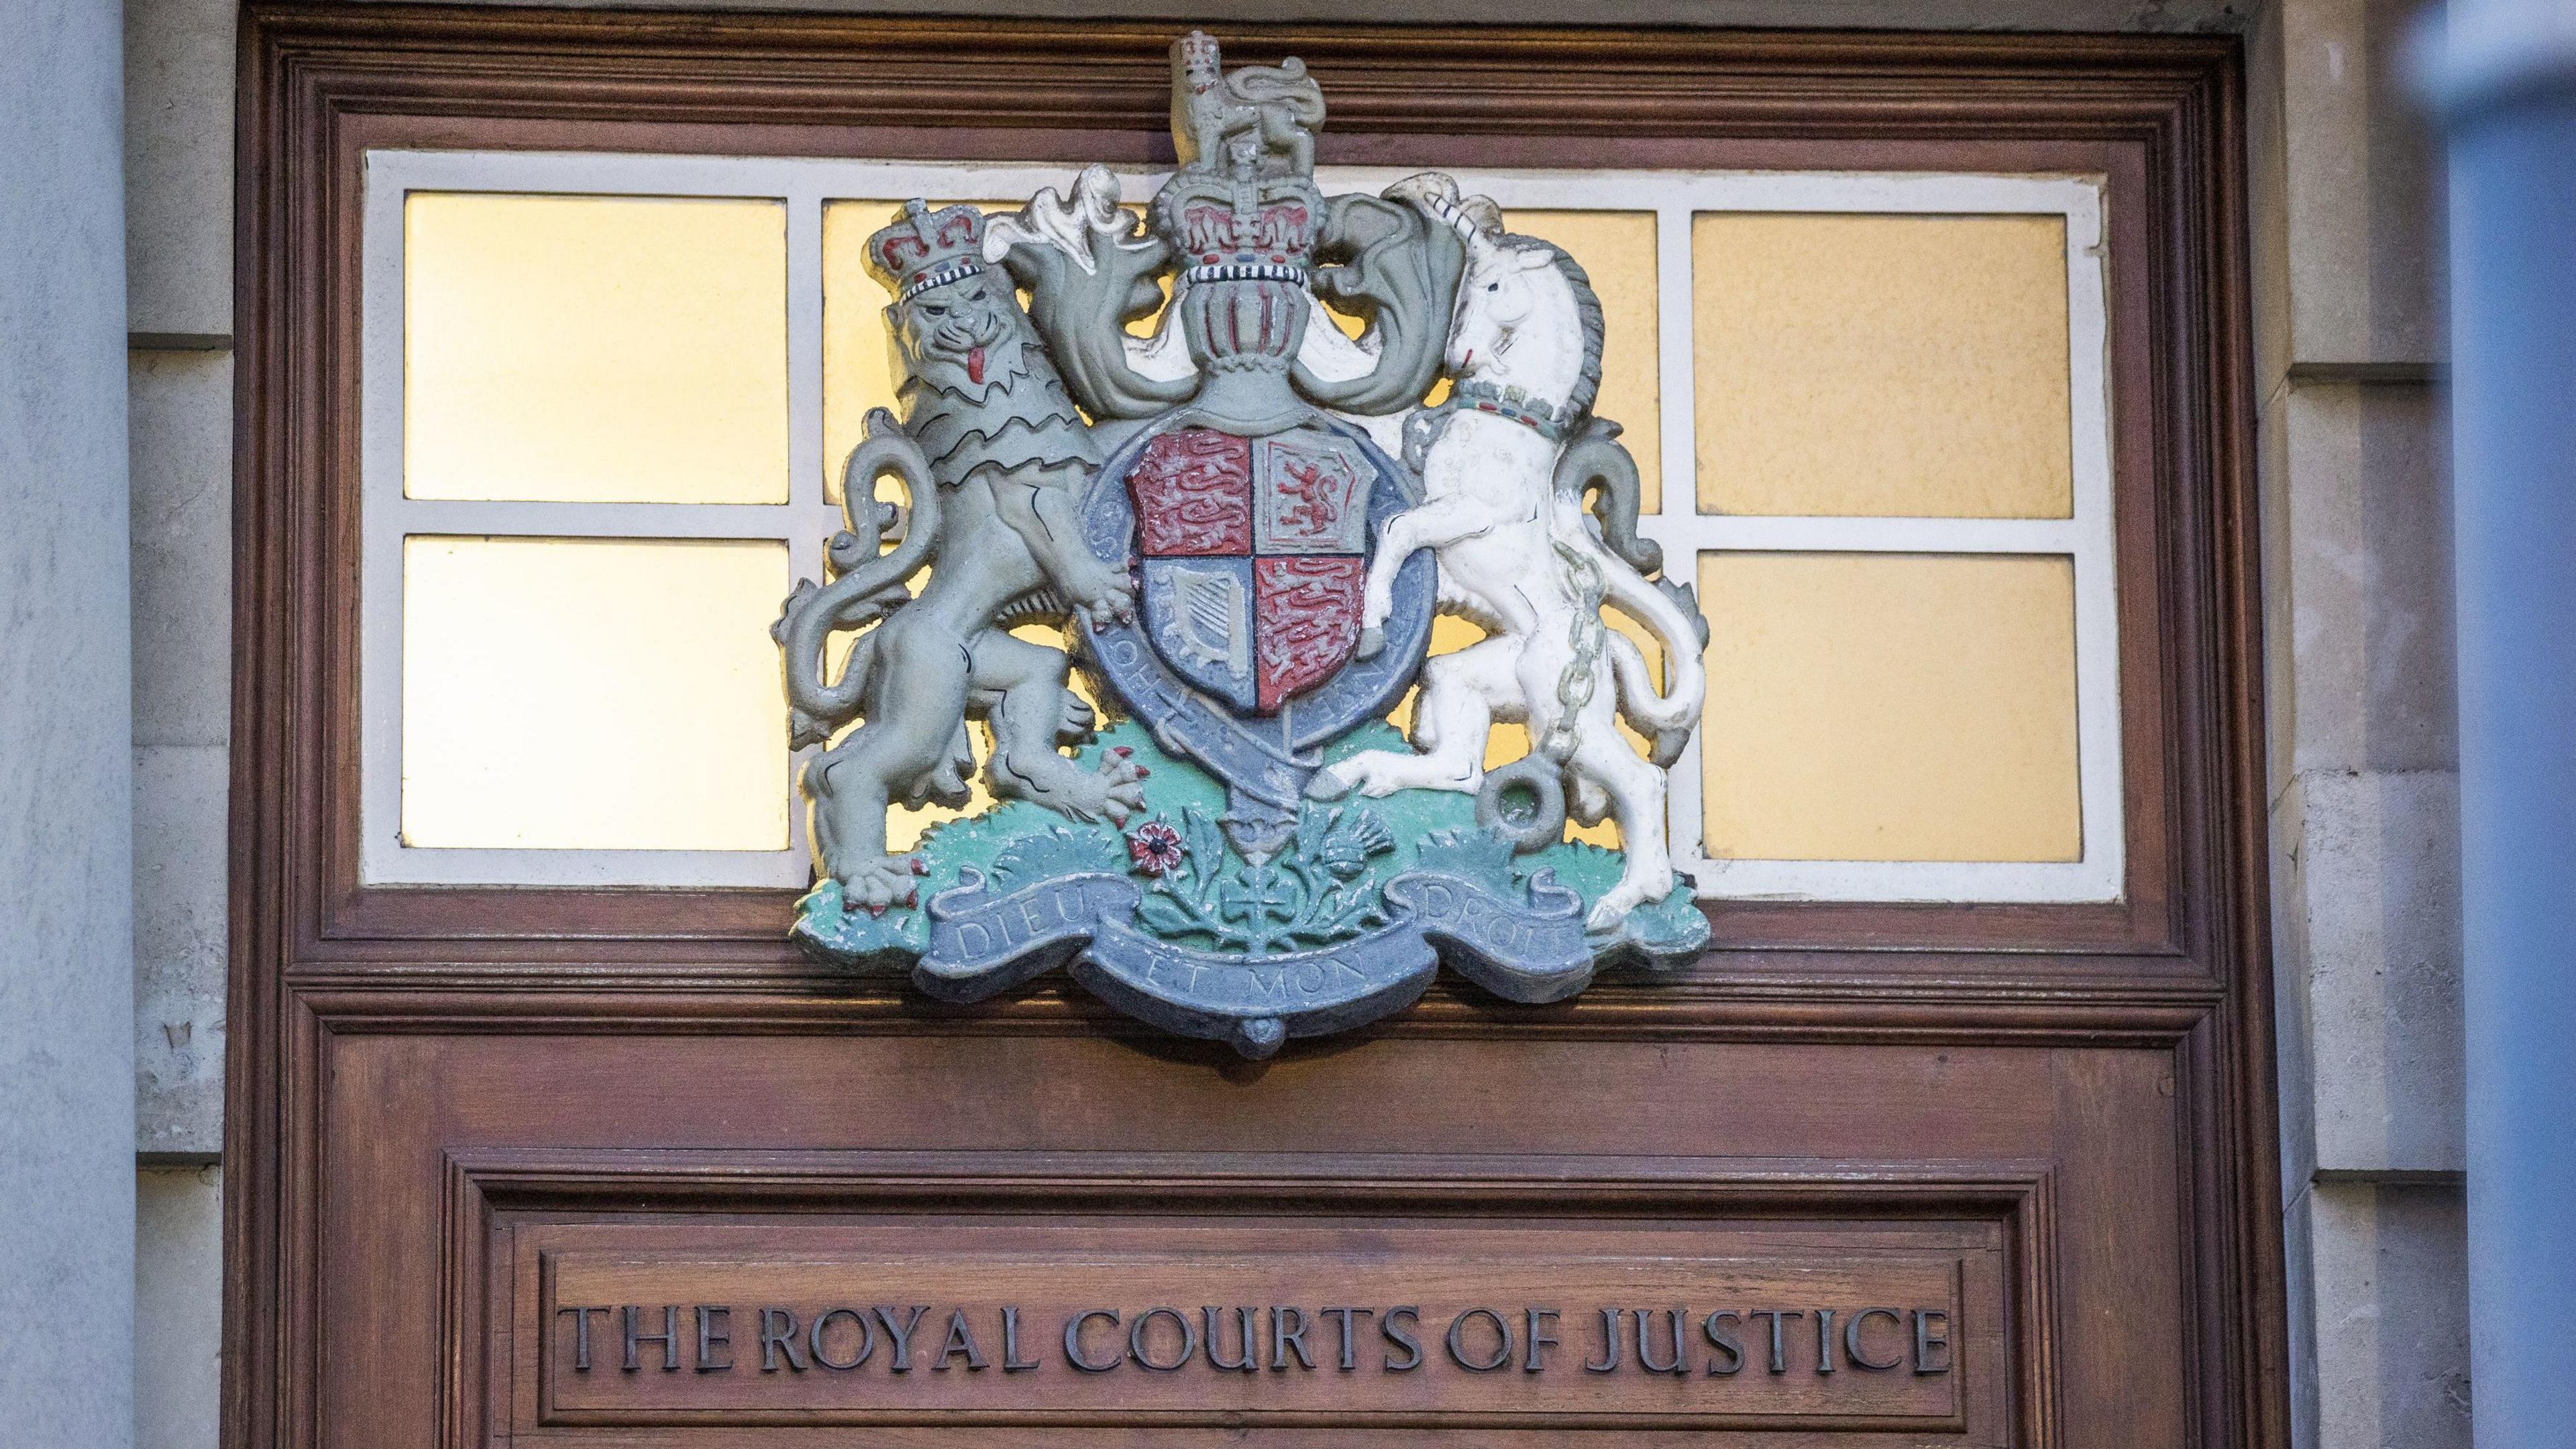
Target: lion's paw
[
  {"x": 1102, "y": 597},
  {"x": 1121, "y": 783},
  {"x": 1074, "y": 720},
  {"x": 876, "y": 883}
]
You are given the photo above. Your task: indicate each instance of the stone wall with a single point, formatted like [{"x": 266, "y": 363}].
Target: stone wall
[
  {"x": 2349, "y": 338},
  {"x": 179, "y": 264}
]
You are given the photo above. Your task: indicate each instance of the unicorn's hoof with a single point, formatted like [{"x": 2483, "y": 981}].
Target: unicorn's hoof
[
  {"x": 1607, "y": 916},
  {"x": 1372, "y": 644}
]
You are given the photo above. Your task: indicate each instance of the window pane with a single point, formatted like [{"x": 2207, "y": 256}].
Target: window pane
[
  {"x": 1616, "y": 249},
  {"x": 1890, "y": 707},
  {"x": 593, "y": 694},
  {"x": 1906, "y": 366},
  {"x": 594, "y": 349}
]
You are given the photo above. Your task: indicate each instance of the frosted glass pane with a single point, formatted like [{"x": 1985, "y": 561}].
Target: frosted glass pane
[
  {"x": 1890, "y": 707},
  {"x": 594, "y": 349},
  {"x": 593, "y": 694},
  {"x": 1617, "y": 251},
  {"x": 1897, "y": 366}
]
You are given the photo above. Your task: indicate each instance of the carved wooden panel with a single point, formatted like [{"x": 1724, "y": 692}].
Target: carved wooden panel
[
  {"x": 2026, "y": 1151},
  {"x": 1978, "y": 1194},
  {"x": 1348, "y": 1318}
]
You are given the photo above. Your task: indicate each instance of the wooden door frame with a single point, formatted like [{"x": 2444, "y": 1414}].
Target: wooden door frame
[{"x": 2181, "y": 963}]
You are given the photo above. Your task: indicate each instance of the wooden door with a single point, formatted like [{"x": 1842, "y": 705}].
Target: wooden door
[{"x": 614, "y": 1166}]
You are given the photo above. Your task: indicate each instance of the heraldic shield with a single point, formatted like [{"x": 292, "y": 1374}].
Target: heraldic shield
[
  {"x": 1252, "y": 554},
  {"x": 1224, "y": 835}
]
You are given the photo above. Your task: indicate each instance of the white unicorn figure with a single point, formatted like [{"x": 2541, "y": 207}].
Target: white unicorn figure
[{"x": 1505, "y": 467}]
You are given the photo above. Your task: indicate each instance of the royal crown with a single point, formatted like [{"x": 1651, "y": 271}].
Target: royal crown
[{"x": 925, "y": 248}]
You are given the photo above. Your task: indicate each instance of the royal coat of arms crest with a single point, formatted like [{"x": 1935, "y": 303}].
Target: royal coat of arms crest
[{"x": 1245, "y": 520}]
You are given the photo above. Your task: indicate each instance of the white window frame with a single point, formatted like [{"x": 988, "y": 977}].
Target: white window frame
[{"x": 806, "y": 519}]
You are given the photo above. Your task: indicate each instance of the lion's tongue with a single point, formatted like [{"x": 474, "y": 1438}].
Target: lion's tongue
[{"x": 975, "y": 365}]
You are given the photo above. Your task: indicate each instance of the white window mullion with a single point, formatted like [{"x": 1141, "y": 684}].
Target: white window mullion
[
  {"x": 512, "y": 519},
  {"x": 1676, "y": 525},
  {"x": 2097, "y": 621},
  {"x": 380, "y": 581},
  {"x": 1780, "y": 534},
  {"x": 818, "y": 519}
]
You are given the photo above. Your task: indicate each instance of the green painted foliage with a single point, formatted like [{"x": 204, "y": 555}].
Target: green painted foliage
[
  {"x": 1323, "y": 888},
  {"x": 1318, "y": 890}
]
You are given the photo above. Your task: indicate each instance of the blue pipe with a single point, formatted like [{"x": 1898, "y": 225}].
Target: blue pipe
[{"x": 2511, "y": 112}]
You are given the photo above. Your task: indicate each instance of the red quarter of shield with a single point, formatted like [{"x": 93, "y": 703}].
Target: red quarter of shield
[
  {"x": 1306, "y": 615},
  {"x": 1193, "y": 494}
]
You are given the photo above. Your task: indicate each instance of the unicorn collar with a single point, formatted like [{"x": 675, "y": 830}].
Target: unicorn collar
[{"x": 1545, "y": 418}]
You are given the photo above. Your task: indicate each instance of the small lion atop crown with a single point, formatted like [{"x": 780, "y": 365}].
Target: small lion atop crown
[{"x": 1280, "y": 107}]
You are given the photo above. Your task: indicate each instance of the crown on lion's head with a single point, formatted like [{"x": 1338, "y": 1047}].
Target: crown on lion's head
[
  {"x": 925, "y": 248},
  {"x": 1196, "y": 55}
]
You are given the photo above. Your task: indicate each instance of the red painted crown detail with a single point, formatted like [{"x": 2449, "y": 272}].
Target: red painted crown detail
[{"x": 922, "y": 241}]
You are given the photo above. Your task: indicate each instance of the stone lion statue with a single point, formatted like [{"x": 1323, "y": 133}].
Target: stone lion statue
[{"x": 992, "y": 453}]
